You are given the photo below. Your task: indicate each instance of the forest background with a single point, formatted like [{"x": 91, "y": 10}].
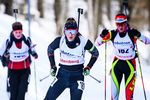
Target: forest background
[{"x": 95, "y": 12}]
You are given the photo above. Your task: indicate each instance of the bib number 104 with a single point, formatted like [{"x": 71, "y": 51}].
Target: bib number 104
[{"x": 123, "y": 50}]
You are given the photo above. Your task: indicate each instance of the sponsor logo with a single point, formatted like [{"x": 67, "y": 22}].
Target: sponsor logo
[
  {"x": 66, "y": 53},
  {"x": 20, "y": 53},
  {"x": 121, "y": 42},
  {"x": 69, "y": 61},
  {"x": 124, "y": 56}
]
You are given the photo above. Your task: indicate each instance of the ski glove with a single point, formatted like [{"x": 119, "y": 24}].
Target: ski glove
[
  {"x": 86, "y": 71},
  {"x": 53, "y": 71},
  {"x": 104, "y": 33},
  {"x": 34, "y": 54}
]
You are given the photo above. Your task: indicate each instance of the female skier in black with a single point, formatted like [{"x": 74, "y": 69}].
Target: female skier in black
[
  {"x": 124, "y": 39},
  {"x": 71, "y": 73}
]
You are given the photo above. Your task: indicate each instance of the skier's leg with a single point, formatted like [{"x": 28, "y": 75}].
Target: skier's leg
[
  {"x": 130, "y": 79},
  {"x": 23, "y": 84},
  {"x": 55, "y": 89},
  {"x": 116, "y": 77},
  {"x": 58, "y": 85},
  {"x": 8, "y": 84},
  {"x": 13, "y": 85},
  {"x": 76, "y": 90}
]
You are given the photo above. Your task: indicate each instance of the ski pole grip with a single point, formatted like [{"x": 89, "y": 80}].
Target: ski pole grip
[
  {"x": 15, "y": 10},
  {"x": 80, "y": 10}
]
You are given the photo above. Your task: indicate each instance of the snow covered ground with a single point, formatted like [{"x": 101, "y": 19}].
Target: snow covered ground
[{"x": 42, "y": 33}]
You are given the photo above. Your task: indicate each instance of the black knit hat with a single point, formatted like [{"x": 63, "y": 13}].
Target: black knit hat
[
  {"x": 71, "y": 26},
  {"x": 17, "y": 26}
]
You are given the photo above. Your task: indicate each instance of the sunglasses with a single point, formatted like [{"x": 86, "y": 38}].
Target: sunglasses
[
  {"x": 121, "y": 24},
  {"x": 72, "y": 31}
]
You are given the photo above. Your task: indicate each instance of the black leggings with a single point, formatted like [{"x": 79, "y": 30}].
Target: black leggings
[
  {"x": 65, "y": 79},
  {"x": 19, "y": 80},
  {"x": 120, "y": 67}
]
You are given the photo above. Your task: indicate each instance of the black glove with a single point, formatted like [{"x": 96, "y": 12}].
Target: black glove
[
  {"x": 53, "y": 71},
  {"x": 34, "y": 54},
  {"x": 104, "y": 33}
]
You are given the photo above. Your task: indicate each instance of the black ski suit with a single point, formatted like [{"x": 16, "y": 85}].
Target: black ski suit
[{"x": 70, "y": 71}]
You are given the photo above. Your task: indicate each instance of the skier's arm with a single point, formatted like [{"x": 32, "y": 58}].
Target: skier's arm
[
  {"x": 32, "y": 48},
  {"x": 141, "y": 37},
  {"x": 103, "y": 37},
  {"x": 93, "y": 51},
  {"x": 4, "y": 47},
  {"x": 30, "y": 43},
  {"x": 51, "y": 48},
  {"x": 144, "y": 39}
]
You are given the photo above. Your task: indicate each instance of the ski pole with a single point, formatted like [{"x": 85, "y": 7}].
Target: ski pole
[
  {"x": 35, "y": 79},
  {"x": 141, "y": 72},
  {"x": 95, "y": 79},
  {"x": 15, "y": 11},
  {"x": 80, "y": 10},
  {"x": 32, "y": 46},
  {"x": 105, "y": 65},
  {"x": 125, "y": 3},
  {"x": 44, "y": 78}
]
